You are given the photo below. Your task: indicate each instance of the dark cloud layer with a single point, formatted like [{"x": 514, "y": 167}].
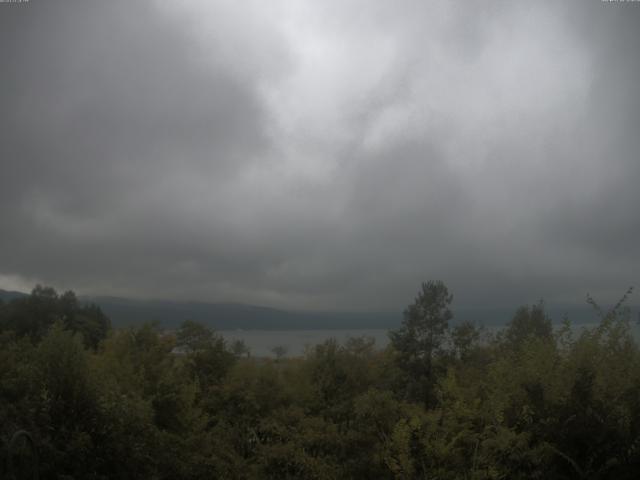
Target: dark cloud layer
[{"x": 321, "y": 154}]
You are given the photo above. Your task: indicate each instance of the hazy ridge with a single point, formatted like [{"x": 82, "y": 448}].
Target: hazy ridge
[{"x": 231, "y": 316}]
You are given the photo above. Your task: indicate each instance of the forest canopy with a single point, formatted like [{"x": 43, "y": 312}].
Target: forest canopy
[{"x": 444, "y": 400}]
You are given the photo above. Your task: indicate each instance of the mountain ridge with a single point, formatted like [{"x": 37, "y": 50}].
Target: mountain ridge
[{"x": 238, "y": 316}]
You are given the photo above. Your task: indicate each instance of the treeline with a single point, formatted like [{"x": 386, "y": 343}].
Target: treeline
[{"x": 441, "y": 402}]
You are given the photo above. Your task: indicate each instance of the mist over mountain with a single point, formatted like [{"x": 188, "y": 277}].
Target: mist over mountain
[
  {"x": 232, "y": 316},
  {"x": 8, "y": 295}
]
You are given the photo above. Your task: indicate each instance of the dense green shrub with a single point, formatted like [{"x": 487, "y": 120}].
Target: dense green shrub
[{"x": 529, "y": 402}]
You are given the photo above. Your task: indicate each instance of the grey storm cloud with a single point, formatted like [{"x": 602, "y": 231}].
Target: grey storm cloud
[{"x": 324, "y": 155}]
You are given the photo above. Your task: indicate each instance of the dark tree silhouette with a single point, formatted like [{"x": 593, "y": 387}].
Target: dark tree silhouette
[{"x": 421, "y": 336}]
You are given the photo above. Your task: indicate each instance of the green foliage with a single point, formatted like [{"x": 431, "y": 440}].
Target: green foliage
[
  {"x": 420, "y": 338},
  {"x": 527, "y": 323},
  {"x": 464, "y": 338},
  {"x": 206, "y": 356},
  {"x": 142, "y": 403},
  {"x": 240, "y": 349},
  {"x": 33, "y": 316}
]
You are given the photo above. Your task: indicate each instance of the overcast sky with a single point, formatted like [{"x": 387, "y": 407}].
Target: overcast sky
[{"x": 321, "y": 154}]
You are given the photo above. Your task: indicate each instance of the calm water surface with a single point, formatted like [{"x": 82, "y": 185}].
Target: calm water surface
[{"x": 261, "y": 342}]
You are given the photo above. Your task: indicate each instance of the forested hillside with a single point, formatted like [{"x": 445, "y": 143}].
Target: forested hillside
[{"x": 441, "y": 402}]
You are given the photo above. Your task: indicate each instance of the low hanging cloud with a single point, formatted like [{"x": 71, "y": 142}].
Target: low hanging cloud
[{"x": 321, "y": 155}]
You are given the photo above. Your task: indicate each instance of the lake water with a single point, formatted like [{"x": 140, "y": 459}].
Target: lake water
[{"x": 261, "y": 342}]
